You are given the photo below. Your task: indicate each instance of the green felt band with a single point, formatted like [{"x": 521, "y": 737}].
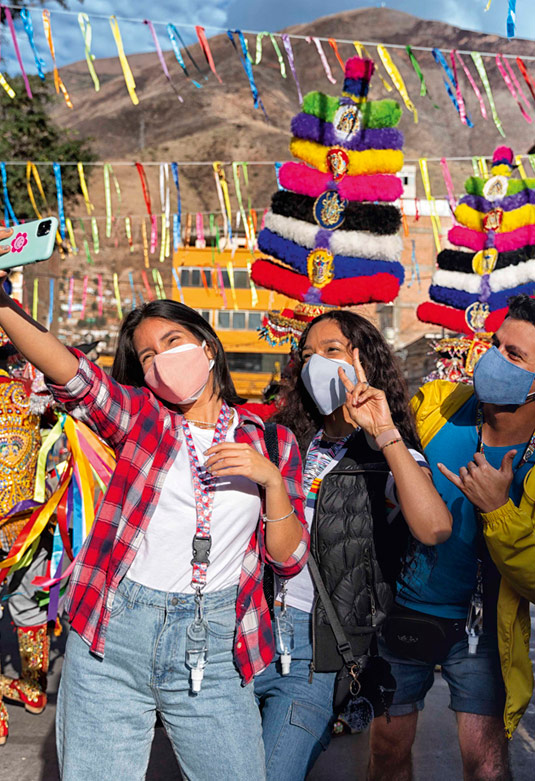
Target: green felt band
[
  {"x": 375, "y": 113},
  {"x": 474, "y": 185}
]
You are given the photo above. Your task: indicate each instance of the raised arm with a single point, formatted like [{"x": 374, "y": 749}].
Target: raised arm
[{"x": 38, "y": 345}]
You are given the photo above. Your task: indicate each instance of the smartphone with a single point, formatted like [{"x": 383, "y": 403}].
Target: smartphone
[{"x": 30, "y": 242}]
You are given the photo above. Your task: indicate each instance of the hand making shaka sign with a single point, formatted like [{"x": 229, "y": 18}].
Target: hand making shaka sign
[{"x": 366, "y": 406}]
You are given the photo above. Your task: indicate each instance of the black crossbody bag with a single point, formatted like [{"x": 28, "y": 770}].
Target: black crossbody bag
[{"x": 420, "y": 636}]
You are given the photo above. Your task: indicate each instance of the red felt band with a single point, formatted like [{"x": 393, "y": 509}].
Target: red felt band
[
  {"x": 301, "y": 178},
  {"x": 340, "y": 292},
  {"x": 359, "y": 68},
  {"x": 454, "y": 320}
]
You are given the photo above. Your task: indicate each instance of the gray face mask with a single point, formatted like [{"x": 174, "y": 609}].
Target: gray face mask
[{"x": 320, "y": 378}]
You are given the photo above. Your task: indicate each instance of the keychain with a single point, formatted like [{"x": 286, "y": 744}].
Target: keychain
[
  {"x": 284, "y": 634},
  {"x": 474, "y": 621},
  {"x": 197, "y": 645}
]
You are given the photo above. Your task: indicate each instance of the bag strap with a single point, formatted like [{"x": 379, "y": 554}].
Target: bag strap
[
  {"x": 272, "y": 442},
  {"x": 342, "y": 643}
]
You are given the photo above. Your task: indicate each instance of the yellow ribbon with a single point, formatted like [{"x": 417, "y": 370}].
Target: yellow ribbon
[
  {"x": 83, "y": 185},
  {"x": 35, "y": 298},
  {"x": 145, "y": 242},
  {"x": 3, "y": 83},
  {"x": 520, "y": 166},
  {"x": 87, "y": 483},
  {"x": 117, "y": 295},
  {"x": 58, "y": 83},
  {"x": 362, "y": 51},
  {"x": 435, "y": 220},
  {"x": 482, "y": 163},
  {"x": 70, "y": 231},
  {"x": 397, "y": 79},
  {"x": 163, "y": 240},
  {"x": 31, "y": 170},
  {"x": 127, "y": 73},
  {"x": 218, "y": 168},
  {"x": 52, "y": 437},
  {"x": 230, "y": 272},
  {"x": 85, "y": 27}
]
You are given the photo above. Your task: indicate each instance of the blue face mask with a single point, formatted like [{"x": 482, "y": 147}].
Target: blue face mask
[
  {"x": 320, "y": 377},
  {"x": 498, "y": 381}
]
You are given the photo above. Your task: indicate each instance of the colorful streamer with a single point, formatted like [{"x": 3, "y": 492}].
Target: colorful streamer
[
  {"x": 511, "y": 19},
  {"x": 178, "y": 214},
  {"x": 50, "y": 302},
  {"x": 100, "y": 293},
  {"x": 291, "y": 61},
  {"x": 85, "y": 27},
  {"x": 71, "y": 297},
  {"x": 35, "y": 302},
  {"x": 174, "y": 37},
  {"x": 276, "y": 47},
  {"x": 478, "y": 62},
  {"x": 59, "y": 193},
  {"x": 525, "y": 75},
  {"x": 513, "y": 86},
  {"x": 117, "y": 295},
  {"x": 161, "y": 58},
  {"x": 397, "y": 79},
  {"x": 58, "y": 81},
  {"x": 131, "y": 280},
  {"x": 8, "y": 208},
  {"x": 458, "y": 92},
  {"x": 28, "y": 27},
  {"x": 17, "y": 50},
  {"x": 146, "y": 197},
  {"x": 201, "y": 35},
  {"x": 323, "y": 58},
  {"x": 84, "y": 296},
  {"x": 473, "y": 84},
  {"x": 177, "y": 283},
  {"x": 127, "y": 73},
  {"x": 416, "y": 65},
  {"x": 441, "y": 60},
  {"x": 435, "y": 219},
  {"x": 246, "y": 62},
  {"x": 334, "y": 46}
]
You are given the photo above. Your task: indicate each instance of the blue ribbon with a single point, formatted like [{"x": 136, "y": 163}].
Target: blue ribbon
[
  {"x": 8, "y": 209},
  {"x": 415, "y": 268},
  {"x": 28, "y": 26},
  {"x": 50, "y": 302},
  {"x": 174, "y": 37},
  {"x": 511, "y": 19},
  {"x": 77, "y": 519},
  {"x": 440, "y": 60},
  {"x": 248, "y": 68},
  {"x": 177, "y": 280},
  {"x": 178, "y": 215},
  {"x": 278, "y": 167},
  {"x": 59, "y": 193},
  {"x": 131, "y": 278}
]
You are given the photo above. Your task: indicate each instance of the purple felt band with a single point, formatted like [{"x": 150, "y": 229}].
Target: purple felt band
[
  {"x": 312, "y": 128},
  {"x": 508, "y": 204}
]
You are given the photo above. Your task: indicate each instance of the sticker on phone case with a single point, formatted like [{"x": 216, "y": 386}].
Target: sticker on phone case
[{"x": 19, "y": 242}]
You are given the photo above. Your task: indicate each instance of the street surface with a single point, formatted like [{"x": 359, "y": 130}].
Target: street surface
[{"x": 29, "y": 754}]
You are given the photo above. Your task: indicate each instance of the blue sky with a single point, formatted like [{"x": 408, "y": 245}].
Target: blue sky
[{"x": 257, "y": 15}]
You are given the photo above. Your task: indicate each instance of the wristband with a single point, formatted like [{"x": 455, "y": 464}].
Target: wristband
[
  {"x": 276, "y": 520},
  {"x": 385, "y": 436},
  {"x": 392, "y": 442}
]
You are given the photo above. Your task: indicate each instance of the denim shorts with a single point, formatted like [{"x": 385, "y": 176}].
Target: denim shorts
[{"x": 475, "y": 680}]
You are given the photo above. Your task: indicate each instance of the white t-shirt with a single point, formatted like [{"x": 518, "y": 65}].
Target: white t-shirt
[
  {"x": 300, "y": 589},
  {"x": 163, "y": 560}
]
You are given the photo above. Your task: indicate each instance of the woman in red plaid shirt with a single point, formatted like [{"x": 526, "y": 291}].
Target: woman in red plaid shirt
[{"x": 166, "y": 604}]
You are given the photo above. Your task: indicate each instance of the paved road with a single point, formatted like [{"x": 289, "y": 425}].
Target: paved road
[{"x": 29, "y": 754}]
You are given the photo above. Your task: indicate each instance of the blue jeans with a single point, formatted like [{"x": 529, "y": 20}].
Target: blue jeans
[
  {"x": 297, "y": 715},
  {"x": 475, "y": 680},
  {"x": 107, "y": 707}
]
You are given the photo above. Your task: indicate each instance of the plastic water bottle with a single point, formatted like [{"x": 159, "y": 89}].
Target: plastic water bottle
[
  {"x": 197, "y": 652},
  {"x": 284, "y": 638},
  {"x": 474, "y": 623}
]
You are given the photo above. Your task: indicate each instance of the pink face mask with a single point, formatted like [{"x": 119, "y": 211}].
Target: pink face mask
[{"x": 179, "y": 375}]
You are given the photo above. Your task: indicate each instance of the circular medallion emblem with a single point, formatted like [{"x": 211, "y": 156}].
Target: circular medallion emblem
[
  {"x": 475, "y": 315},
  {"x": 484, "y": 261},
  {"x": 329, "y": 210},
  {"x": 320, "y": 267},
  {"x": 495, "y": 188},
  {"x": 337, "y": 162},
  {"x": 346, "y": 121},
  {"x": 493, "y": 220}
]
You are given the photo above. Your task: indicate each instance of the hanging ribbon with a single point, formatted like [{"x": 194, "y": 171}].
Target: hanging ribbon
[
  {"x": 404, "y": 220},
  {"x": 146, "y": 196},
  {"x": 415, "y": 64},
  {"x": 415, "y": 268},
  {"x": 161, "y": 58},
  {"x": 128, "y": 231},
  {"x": 246, "y": 62},
  {"x": 17, "y": 50},
  {"x": 223, "y": 195},
  {"x": 160, "y": 283},
  {"x": 177, "y": 283},
  {"x": 107, "y": 198},
  {"x": 511, "y": 19},
  {"x": 145, "y": 241},
  {"x": 230, "y": 272},
  {"x": 58, "y": 82},
  {"x": 59, "y": 193},
  {"x": 525, "y": 75},
  {"x": 85, "y": 242},
  {"x": 178, "y": 214},
  {"x": 435, "y": 220},
  {"x": 132, "y": 288},
  {"x": 28, "y": 27},
  {"x": 127, "y": 73},
  {"x": 206, "y": 50},
  {"x": 473, "y": 84},
  {"x": 334, "y": 47},
  {"x": 237, "y": 187},
  {"x": 71, "y": 297},
  {"x": 83, "y": 186},
  {"x": 200, "y": 241},
  {"x": 290, "y": 54},
  {"x": 520, "y": 166},
  {"x": 166, "y": 209},
  {"x": 397, "y": 79},
  {"x": 460, "y": 100},
  {"x": 174, "y": 37},
  {"x": 95, "y": 236},
  {"x": 50, "y": 302},
  {"x": 35, "y": 302},
  {"x": 85, "y": 27},
  {"x": 31, "y": 170},
  {"x": 117, "y": 296},
  {"x": 512, "y": 85},
  {"x": 8, "y": 208},
  {"x": 483, "y": 168},
  {"x": 70, "y": 233},
  {"x": 278, "y": 52},
  {"x": 441, "y": 60},
  {"x": 100, "y": 293},
  {"x": 222, "y": 285},
  {"x": 478, "y": 62},
  {"x": 363, "y": 51},
  {"x": 323, "y": 58},
  {"x": 159, "y": 293},
  {"x": 84, "y": 296}
]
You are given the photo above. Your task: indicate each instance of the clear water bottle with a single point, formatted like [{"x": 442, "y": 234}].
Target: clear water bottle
[
  {"x": 284, "y": 639},
  {"x": 474, "y": 622},
  {"x": 197, "y": 651}
]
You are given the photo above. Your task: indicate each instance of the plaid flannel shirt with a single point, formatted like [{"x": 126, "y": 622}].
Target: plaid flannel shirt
[{"x": 146, "y": 436}]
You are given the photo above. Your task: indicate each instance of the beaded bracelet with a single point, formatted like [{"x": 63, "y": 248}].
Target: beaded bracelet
[
  {"x": 276, "y": 520},
  {"x": 392, "y": 442}
]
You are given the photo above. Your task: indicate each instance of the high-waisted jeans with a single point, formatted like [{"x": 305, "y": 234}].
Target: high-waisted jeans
[{"x": 107, "y": 707}]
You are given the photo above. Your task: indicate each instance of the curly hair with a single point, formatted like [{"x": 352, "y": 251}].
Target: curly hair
[{"x": 297, "y": 410}]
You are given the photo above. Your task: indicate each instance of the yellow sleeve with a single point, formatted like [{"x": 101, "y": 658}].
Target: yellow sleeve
[{"x": 435, "y": 403}]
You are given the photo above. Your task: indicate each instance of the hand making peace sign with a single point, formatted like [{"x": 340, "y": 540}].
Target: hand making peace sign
[{"x": 366, "y": 406}]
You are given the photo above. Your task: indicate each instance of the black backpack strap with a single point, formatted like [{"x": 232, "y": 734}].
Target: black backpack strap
[{"x": 272, "y": 446}]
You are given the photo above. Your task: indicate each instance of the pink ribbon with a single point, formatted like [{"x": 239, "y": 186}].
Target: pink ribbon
[
  {"x": 100, "y": 294},
  {"x": 153, "y": 233},
  {"x": 290, "y": 53},
  {"x": 263, "y": 219},
  {"x": 508, "y": 78},
  {"x": 84, "y": 297},
  {"x": 71, "y": 296},
  {"x": 199, "y": 229},
  {"x": 449, "y": 185},
  {"x": 323, "y": 58},
  {"x": 161, "y": 57},
  {"x": 222, "y": 286},
  {"x": 459, "y": 94},
  {"x": 17, "y": 50},
  {"x": 473, "y": 85}
]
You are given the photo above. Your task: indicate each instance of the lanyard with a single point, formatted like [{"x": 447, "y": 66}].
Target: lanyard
[
  {"x": 528, "y": 452},
  {"x": 204, "y": 493},
  {"x": 317, "y": 460}
]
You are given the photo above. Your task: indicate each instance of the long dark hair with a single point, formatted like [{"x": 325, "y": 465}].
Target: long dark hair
[
  {"x": 127, "y": 369},
  {"x": 297, "y": 410}
]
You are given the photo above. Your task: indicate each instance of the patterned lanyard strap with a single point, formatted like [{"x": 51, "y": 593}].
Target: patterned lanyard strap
[
  {"x": 318, "y": 458},
  {"x": 528, "y": 452},
  {"x": 204, "y": 492}
]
